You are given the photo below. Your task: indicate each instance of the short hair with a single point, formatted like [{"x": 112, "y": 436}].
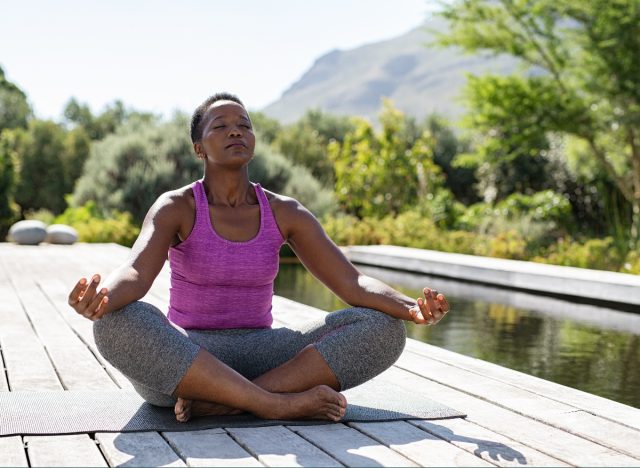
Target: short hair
[{"x": 198, "y": 114}]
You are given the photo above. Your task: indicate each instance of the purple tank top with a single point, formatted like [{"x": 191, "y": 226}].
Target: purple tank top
[{"x": 217, "y": 283}]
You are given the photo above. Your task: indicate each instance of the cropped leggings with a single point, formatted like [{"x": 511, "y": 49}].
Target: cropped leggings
[{"x": 357, "y": 344}]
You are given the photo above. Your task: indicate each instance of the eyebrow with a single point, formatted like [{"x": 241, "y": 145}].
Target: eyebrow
[{"x": 222, "y": 116}]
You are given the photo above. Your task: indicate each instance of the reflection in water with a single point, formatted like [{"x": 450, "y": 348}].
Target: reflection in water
[{"x": 587, "y": 347}]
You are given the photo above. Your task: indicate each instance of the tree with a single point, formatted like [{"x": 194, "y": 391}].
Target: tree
[
  {"x": 105, "y": 123},
  {"x": 130, "y": 168},
  {"x": 8, "y": 176},
  {"x": 265, "y": 128},
  {"x": 14, "y": 108},
  {"x": 381, "y": 173},
  {"x": 305, "y": 142},
  {"x": 460, "y": 180},
  {"x": 49, "y": 160},
  {"x": 582, "y": 75}
]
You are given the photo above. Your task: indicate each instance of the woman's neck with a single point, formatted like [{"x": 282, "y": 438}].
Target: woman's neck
[{"x": 229, "y": 188}]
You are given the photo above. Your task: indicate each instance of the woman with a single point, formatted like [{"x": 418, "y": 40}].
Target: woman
[{"x": 216, "y": 352}]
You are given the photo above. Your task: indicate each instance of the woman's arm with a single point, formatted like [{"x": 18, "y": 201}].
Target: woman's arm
[
  {"x": 325, "y": 261},
  {"x": 132, "y": 280}
]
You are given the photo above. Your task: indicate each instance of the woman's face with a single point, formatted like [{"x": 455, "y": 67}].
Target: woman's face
[{"x": 227, "y": 135}]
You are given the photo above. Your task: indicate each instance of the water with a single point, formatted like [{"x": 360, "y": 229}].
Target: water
[{"x": 587, "y": 347}]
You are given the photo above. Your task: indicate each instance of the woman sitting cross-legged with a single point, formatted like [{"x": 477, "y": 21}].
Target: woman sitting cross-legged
[{"x": 215, "y": 352}]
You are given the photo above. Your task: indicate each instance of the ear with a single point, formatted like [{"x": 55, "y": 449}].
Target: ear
[{"x": 199, "y": 150}]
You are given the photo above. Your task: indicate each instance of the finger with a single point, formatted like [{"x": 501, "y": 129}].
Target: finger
[
  {"x": 74, "y": 295},
  {"x": 431, "y": 303},
  {"x": 444, "y": 304},
  {"x": 416, "y": 314},
  {"x": 90, "y": 292},
  {"x": 96, "y": 304},
  {"x": 102, "y": 309},
  {"x": 425, "y": 312}
]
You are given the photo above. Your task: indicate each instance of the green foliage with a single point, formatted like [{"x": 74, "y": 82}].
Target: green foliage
[
  {"x": 265, "y": 128},
  {"x": 545, "y": 206},
  {"x": 44, "y": 215},
  {"x": 99, "y": 126},
  {"x": 305, "y": 188},
  {"x": 598, "y": 254},
  {"x": 509, "y": 153},
  {"x": 9, "y": 211},
  {"x": 92, "y": 226},
  {"x": 130, "y": 168},
  {"x": 49, "y": 159},
  {"x": 305, "y": 142},
  {"x": 582, "y": 64},
  {"x": 409, "y": 229},
  {"x": 381, "y": 173},
  {"x": 632, "y": 263},
  {"x": 459, "y": 180},
  {"x": 272, "y": 170},
  {"x": 538, "y": 219},
  {"x": 14, "y": 108},
  {"x": 413, "y": 229}
]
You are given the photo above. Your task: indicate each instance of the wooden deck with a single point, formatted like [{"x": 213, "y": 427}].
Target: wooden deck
[{"x": 513, "y": 419}]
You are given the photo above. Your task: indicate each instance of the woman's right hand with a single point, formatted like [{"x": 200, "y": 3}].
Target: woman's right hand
[{"x": 87, "y": 300}]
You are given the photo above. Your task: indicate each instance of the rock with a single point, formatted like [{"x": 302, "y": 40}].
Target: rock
[
  {"x": 28, "y": 232},
  {"x": 61, "y": 234}
]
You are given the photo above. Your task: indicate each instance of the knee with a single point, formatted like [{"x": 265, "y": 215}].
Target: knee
[
  {"x": 124, "y": 326},
  {"x": 391, "y": 331},
  {"x": 395, "y": 333}
]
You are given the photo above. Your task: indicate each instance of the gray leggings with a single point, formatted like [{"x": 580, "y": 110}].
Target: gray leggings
[{"x": 138, "y": 340}]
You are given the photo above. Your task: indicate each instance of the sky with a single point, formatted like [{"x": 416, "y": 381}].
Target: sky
[{"x": 162, "y": 56}]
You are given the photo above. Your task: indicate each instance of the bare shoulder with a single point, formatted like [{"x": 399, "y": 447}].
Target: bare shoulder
[
  {"x": 290, "y": 214},
  {"x": 173, "y": 202}
]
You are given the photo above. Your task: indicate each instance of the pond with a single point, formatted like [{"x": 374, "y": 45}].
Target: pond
[{"x": 583, "y": 346}]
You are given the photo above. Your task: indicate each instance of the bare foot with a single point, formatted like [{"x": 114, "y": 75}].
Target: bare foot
[
  {"x": 321, "y": 402},
  {"x": 186, "y": 409}
]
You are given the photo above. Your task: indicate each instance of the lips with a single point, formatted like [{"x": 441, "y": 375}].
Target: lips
[{"x": 236, "y": 145}]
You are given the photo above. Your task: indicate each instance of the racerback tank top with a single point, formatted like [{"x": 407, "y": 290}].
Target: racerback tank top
[{"x": 217, "y": 283}]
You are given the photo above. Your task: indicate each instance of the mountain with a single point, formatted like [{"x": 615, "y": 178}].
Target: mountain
[{"x": 420, "y": 79}]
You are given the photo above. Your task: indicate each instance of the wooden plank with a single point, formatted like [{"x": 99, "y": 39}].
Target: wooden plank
[
  {"x": 210, "y": 447},
  {"x": 595, "y": 404},
  {"x": 513, "y": 398},
  {"x": 137, "y": 449},
  {"x": 417, "y": 445},
  {"x": 557, "y": 443},
  {"x": 66, "y": 450},
  {"x": 554, "y": 413},
  {"x": 53, "y": 288},
  {"x": 278, "y": 446},
  {"x": 27, "y": 363},
  {"x": 75, "y": 364},
  {"x": 351, "y": 447},
  {"x": 4, "y": 384},
  {"x": 12, "y": 452},
  {"x": 487, "y": 444}
]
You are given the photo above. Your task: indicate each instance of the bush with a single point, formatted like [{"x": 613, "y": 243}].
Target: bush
[
  {"x": 93, "y": 227},
  {"x": 599, "y": 254},
  {"x": 43, "y": 215},
  {"x": 632, "y": 263},
  {"x": 274, "y": 172},
  {"x": 129, "y": 169}
]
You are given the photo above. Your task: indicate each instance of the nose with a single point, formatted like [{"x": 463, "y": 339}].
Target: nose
[{"x": 235, "y": 131}]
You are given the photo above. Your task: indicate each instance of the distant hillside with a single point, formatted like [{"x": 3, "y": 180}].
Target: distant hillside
[{"x": 419, "y": 79}]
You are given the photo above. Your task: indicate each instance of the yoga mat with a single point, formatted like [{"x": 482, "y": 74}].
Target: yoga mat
[{"x": 77, "y": 412}]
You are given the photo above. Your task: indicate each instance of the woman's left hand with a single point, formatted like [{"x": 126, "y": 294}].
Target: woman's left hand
[{"x": 431, "y": 309}]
